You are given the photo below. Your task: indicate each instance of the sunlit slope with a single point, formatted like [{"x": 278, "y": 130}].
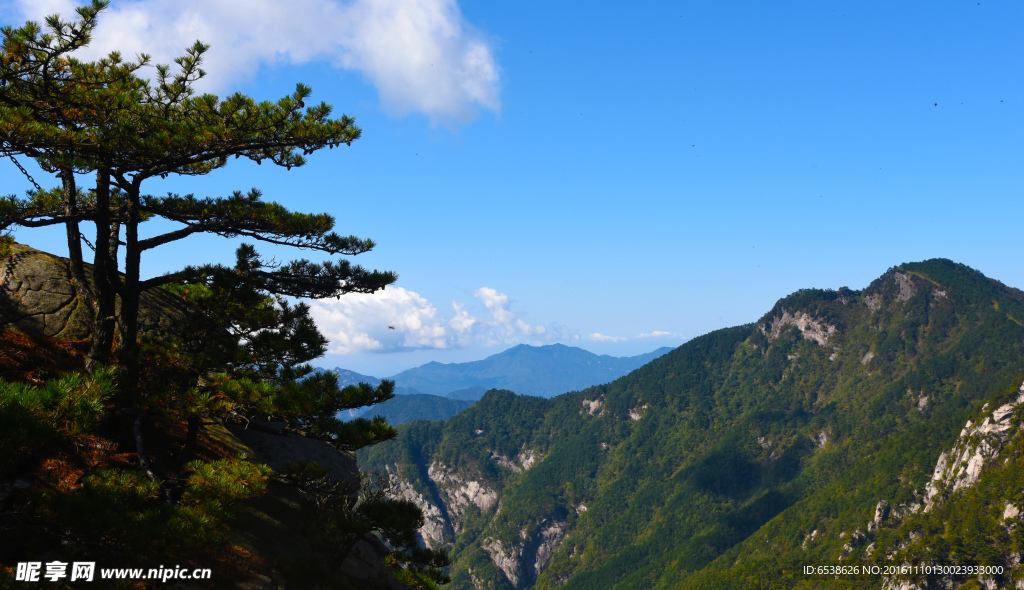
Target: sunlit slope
[{"x": 713, "y": 464}]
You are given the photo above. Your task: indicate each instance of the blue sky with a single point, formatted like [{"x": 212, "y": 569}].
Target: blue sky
[{"x": 613, "y": 176}]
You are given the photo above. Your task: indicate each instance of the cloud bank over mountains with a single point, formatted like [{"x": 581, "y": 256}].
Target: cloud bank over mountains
[
  {"x": 599, "y": 337},
  {"x": 397, "y": 319},
  {"x": 421, "y": 55}
]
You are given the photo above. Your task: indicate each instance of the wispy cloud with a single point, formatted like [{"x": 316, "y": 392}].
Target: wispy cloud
[
  {"x": 397, "y": 319},
  {"x": 659, "y": 334},
  {"x": 598, "y": 337},
  {"x": 421, "y": 55}
]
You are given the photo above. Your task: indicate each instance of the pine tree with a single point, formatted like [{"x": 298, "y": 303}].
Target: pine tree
[
  {"x": 249, "y": 347},
  {"x": 103, "y": 118}
]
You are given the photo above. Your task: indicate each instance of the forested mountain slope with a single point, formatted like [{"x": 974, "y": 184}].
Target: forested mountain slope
[{"x": 750, "y": 452}]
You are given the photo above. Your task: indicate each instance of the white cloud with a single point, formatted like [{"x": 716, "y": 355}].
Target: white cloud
[
  {"x": 462, "y": 322},
  {"x": 496, "y": 302},
  {"x": 659, "y": 334},
  {"x": 605, "y": 338},
  {"x": 397, "y": 319},
  {"x": 420, "y": 55},
  {"x": 391, "y": 319}
]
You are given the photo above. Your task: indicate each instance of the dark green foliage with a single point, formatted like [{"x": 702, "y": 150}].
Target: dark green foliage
[
  {"x": 69, "y": 405},
  {"x": 247, "y": 348},
  {"x": 45, "y": 424}
]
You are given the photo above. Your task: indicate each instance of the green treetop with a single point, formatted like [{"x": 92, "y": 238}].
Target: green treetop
[{"x": 101, "y": 117}]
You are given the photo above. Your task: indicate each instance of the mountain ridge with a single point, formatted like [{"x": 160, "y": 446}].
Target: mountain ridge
[
  {"x": 530, "y": 366},
  {"x": 712, "y": 466},
  {"x": 543, "y": 371}
]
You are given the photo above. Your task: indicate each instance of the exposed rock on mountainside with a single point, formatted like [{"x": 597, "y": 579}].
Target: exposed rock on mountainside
[
  {"x": 809, "y": 327},
  {"x": 526, "y": 558},
  {"x": 432, "y": 533},
  {"x": 38, "y": 299},
  {"x": 508, "y": 561},
  {"x": 523, "y": 461},
  {"x": 994, "y": 444},
  {"x": 550, "y": 538},
  {"x": 459, "y": 493},
  {"x": 961, "y": 466},
  {"x": 906, "y": 287}
]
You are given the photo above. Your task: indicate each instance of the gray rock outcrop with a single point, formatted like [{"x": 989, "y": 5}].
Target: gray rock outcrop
[
  {"x": 38, "y": 299},
  {"x": 810, "y": 328},
  {"x": 961, "y": 466},
  {"x": 274, "y": 526}
]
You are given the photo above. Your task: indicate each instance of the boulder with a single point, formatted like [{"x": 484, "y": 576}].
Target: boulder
[
  {"x": 274, "y": 527},
  {"x": 38, "y": 299}
]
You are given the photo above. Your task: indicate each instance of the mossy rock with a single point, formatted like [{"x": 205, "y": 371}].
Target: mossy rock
[{"x": 38, "y": 298}]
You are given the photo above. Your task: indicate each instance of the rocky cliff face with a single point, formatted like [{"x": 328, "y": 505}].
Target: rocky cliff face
[
  {"x": 459, "y": 492},
  {"x": 992, "y": 445},
  {"x": 961, "y": 466},
  {"x": 455, "y": 502},
  {"x": 435, "y": 522}
]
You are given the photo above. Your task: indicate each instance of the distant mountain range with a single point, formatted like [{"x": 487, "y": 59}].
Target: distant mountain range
[
  {"x": 346, "y": 377},
  {"x": 418, "y": 406},
  {"x": 471, "y": 393},
  {"x": 543, "y": 371}
]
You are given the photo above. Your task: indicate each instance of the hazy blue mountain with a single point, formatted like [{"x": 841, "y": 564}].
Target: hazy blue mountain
[
  {"x": 470, "y": 393},
  {"x": 399, "y": 390},
  {"x": 346, "y": 377},
  {"x": 418, "y": 406},
  {"x": 544, "y": 371}
]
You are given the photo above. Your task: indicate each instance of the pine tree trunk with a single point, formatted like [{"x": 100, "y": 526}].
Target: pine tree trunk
[
  {"x": 104, "y": 275},
  {"x": 78, "y": 280},
  {"x": 128, "y": 356}
]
